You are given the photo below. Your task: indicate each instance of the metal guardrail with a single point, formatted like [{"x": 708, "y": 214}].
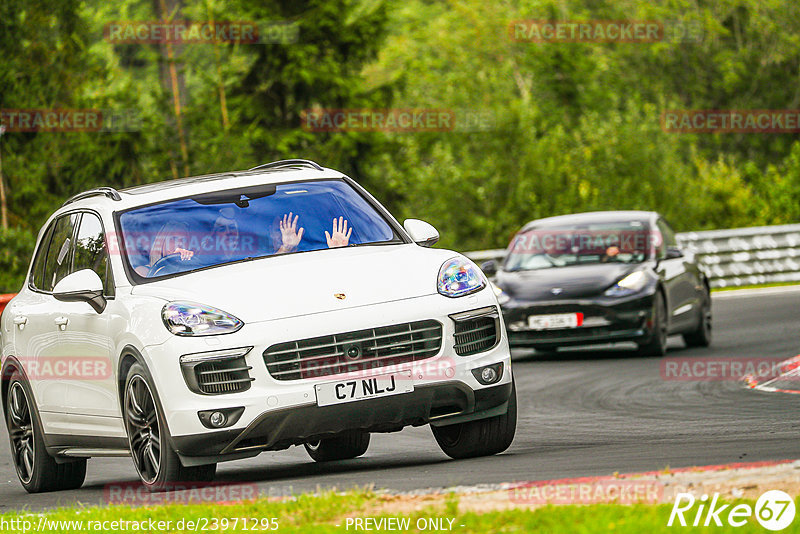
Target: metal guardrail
[
  {"x": 731, "y": 258},
  {"x": 745, "y": 256}
]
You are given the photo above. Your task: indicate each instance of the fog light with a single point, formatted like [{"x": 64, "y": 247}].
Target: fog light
[
  {"x": 217, "y": 419},
  {"x": 221, "y": 417},
  {"x": 489, "y": 374}
]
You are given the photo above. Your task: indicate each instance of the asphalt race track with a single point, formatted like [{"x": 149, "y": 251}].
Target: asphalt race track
[{"x": 583, "y": 412}]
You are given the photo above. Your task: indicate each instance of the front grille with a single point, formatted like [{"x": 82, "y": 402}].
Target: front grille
[
  {"x": 476, "y": 331},
  {"x": 216, "y": 377},
  {"x": 354, "y": 351},
  {"x": 585, "y": 334}
]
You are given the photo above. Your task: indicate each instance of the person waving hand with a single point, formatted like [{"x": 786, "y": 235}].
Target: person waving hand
[{"x": 340, "y": 234}]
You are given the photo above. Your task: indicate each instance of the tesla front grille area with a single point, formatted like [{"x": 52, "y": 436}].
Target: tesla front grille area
[
  {"x": 354, "y": 351},
  {"x": 596, "y": 323}
]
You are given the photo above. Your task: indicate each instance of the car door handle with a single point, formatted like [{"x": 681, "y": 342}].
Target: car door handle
[
  {"x": 61, "y": 322},
  {"x": 20, "y": 321}
]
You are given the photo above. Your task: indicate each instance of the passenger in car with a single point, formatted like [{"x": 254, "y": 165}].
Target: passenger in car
[
  {"x": 290, "y": 236},
  {"x": 224, "y": 238}
]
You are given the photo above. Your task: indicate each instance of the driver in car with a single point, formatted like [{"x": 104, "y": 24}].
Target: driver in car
[
  {"x": 167, "y": 241},
  {"x": 610, "y": 254},
  {"x": 223, "y": 240}
]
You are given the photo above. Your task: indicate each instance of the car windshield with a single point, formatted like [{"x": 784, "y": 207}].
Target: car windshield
[
  {"x": 544, "y": 247},
  {"x": 227, "y": 226}
]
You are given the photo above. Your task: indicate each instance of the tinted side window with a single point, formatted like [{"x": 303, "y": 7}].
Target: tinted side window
[
  {"x": 37, "y": 271},
  {"x": 59, "y": 256},
  {"x": 90, "y": 250}
]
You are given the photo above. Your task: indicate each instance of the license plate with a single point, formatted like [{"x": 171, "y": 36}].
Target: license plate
[
  {"x": 558, "y": 320},
  {"x": 356, "y": 389}
]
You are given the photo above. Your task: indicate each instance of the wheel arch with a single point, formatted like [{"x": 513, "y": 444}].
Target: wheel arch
[
  {"x": 10, "y": 366},
  {"x": 128, "y": 357},
  {"x": 667, "y": 304}
]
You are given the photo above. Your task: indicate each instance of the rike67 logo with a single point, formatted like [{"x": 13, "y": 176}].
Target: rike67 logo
[{"x": 774, "y": 510}]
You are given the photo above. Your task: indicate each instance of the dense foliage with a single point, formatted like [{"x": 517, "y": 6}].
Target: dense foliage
[{"x": 567, "y": 126}]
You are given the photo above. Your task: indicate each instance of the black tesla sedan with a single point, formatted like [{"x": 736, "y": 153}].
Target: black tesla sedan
[{"x": 601, "y": 277}]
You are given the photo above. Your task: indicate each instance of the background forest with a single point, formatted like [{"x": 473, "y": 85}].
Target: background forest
[{"x": 563, "y": 127}]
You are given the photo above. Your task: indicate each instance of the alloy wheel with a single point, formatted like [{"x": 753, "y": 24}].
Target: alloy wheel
[
  {"x": 144, "y": 433},
  {"x": 20, "y": 426},
  {"x": 661, "y": 324},
  {"x": 707, "y": 320}
]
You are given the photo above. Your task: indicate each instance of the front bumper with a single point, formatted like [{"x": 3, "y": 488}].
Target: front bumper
[
  {"x": 605, "y": 320},
  {"x": 280, "y": 413},
  {"x": 279, "y": 429}
]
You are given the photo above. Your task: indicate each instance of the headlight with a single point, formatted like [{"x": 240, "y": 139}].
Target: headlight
[
  {"x": 502, "y": 296},
  {"x": 190, "y": 319},
  {"x": 459, "y": 277},
  {"x": 632, "y": 283}
]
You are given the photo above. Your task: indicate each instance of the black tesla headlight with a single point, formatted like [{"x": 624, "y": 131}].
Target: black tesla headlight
[{"x": 628, "y": 285}]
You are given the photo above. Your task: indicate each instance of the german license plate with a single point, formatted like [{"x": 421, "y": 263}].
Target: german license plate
[
  {"x": 356, "y": 389},
  {"x": 558, "y": 320}
]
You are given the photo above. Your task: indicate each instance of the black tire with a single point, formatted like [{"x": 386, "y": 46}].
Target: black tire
[
  {"x": 702, "y": 336},
  {"x": 344, "y": 446},
  {"x": 156, "y": 462},
  {"x": 483, "y": 437},
  {"x": 36, "y": 469},
  {"x": 657, "y": 345}
]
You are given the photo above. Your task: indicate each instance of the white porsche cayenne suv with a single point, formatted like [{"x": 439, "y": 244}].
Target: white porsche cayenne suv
[{"x": 206, "y": 319}]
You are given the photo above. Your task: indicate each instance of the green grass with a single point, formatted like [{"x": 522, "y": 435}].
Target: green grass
[
  {"x": 293, "y": 515},
  {"x": 328, "y": 513},
  {"x": 755, "y": 286},
  {"x": 599, "y": 518}
]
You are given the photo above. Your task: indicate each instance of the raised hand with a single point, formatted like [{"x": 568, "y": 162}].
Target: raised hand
[
  {"x": 290, "y": 236},
  {"x": 185, "y": 254},
  {"x": 340, "y": 234}
]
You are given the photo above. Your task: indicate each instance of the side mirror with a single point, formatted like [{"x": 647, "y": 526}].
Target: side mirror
[
  {"x": 81, "y": 286},
  {"x": 674, "y": 253},
  {"x": 421, "y": 232},
  {"x": 489, "y": 267}
]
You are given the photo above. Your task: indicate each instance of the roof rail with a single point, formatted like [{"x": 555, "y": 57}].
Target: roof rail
[
  {"x": 109, "y": 192},
  {"x": 288, "y": 163}
]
